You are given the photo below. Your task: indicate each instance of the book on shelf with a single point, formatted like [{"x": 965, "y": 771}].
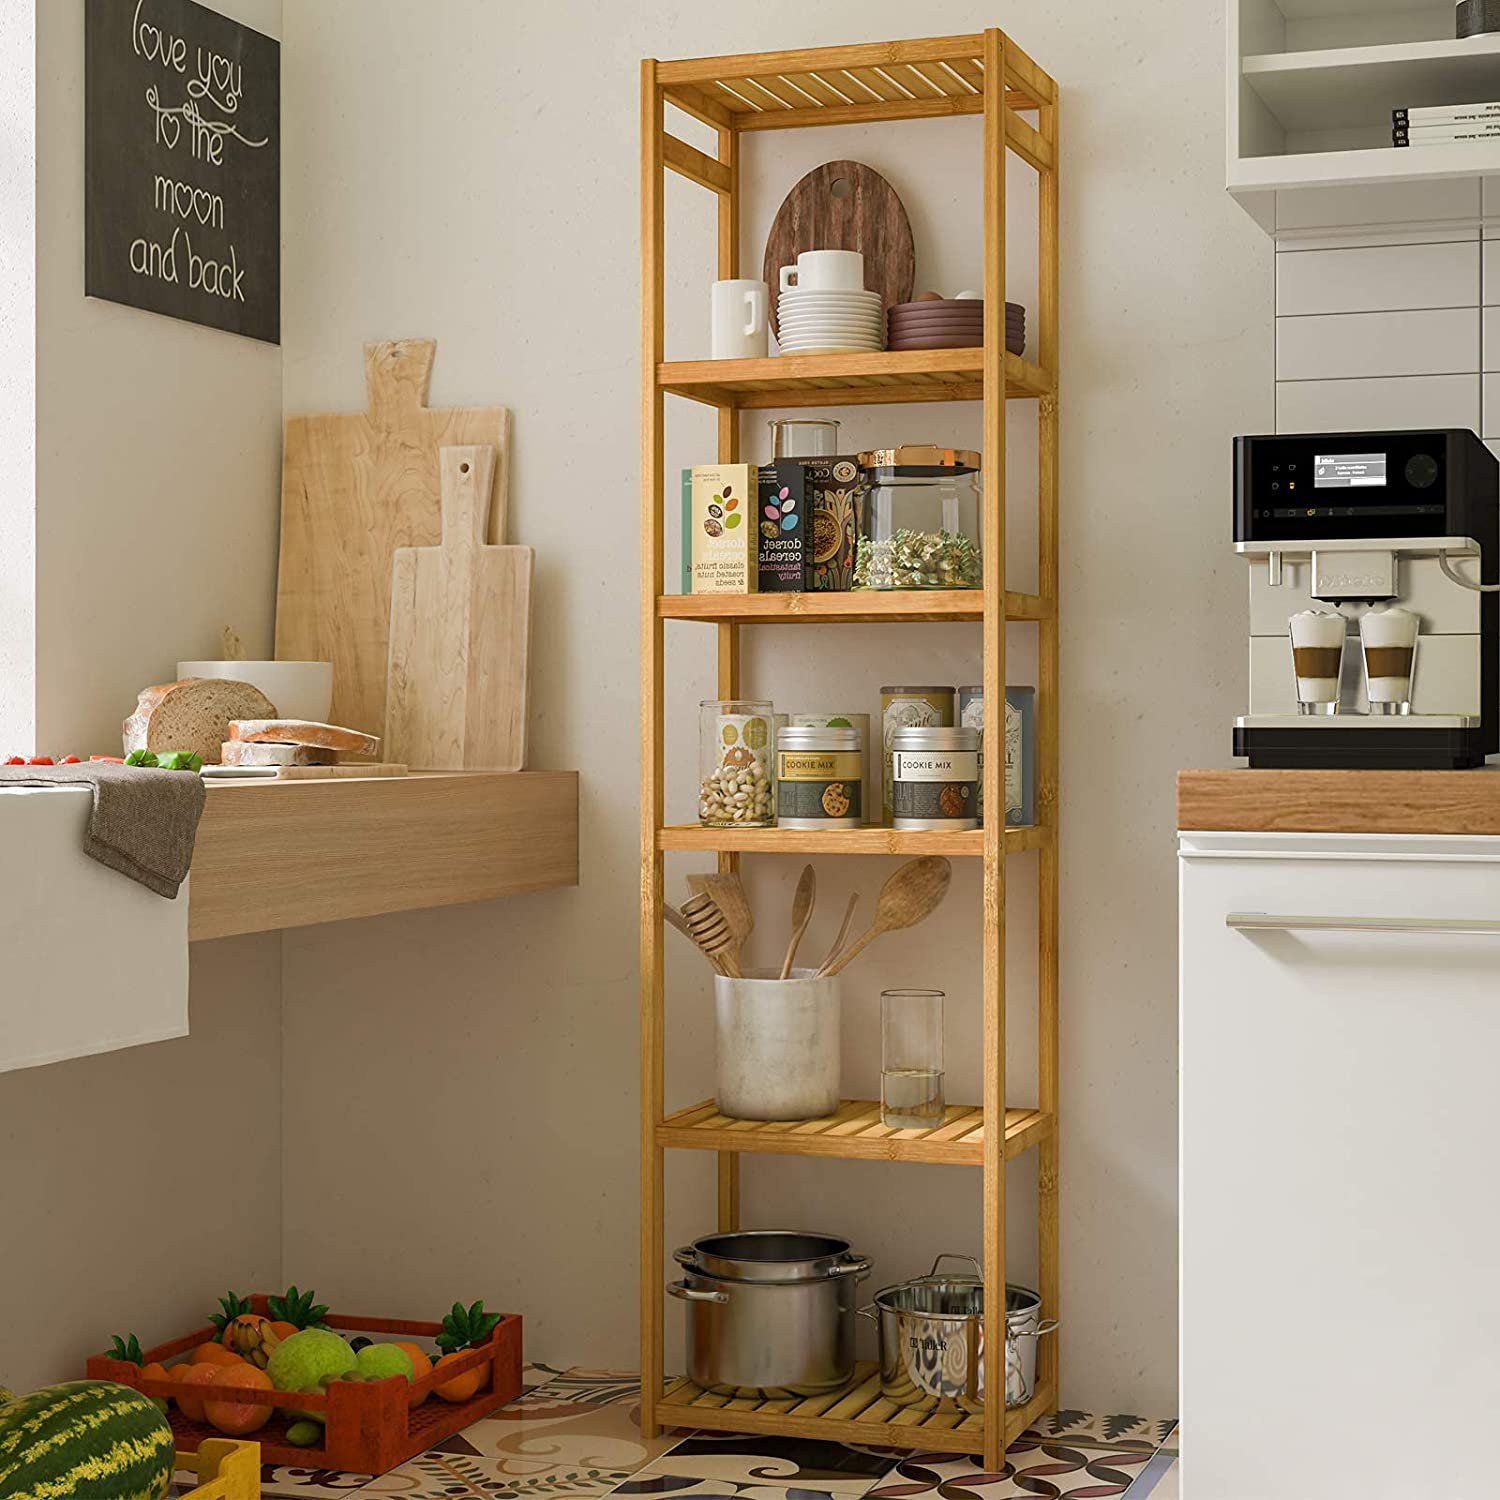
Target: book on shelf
[
  {"x": 1440, "y": 135},
  {"x": 1445, "y": 114}
]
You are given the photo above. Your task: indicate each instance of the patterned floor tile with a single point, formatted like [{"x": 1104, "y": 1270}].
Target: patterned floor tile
[
  {"x": 759, "y": 1468},
  {"x": 1117, "y": 1430},
  {"x": 539, "y": 1374},
  {"x": 577, "y": 1436},
  {"x": 1050, "y": 1467}
]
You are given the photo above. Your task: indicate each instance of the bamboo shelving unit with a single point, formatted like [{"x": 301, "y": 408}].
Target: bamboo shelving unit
[{"x": 987, "y": 75}]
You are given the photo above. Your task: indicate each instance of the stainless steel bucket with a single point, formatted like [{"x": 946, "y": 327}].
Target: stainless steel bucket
[
  {"x": 769, "y": 1312},
  {"x": 932, "y": 1340}
]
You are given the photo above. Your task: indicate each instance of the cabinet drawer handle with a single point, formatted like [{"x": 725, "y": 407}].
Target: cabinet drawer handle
[{"x": 1260, "y": 921}]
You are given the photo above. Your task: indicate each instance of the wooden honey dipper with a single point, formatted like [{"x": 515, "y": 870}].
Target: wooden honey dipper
[{"x": 711, "y": 931}]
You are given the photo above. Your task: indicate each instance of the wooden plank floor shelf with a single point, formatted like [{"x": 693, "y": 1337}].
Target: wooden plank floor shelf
[
  {"x": 857, "y": 1413},
  {"x": 853, "y": 1131},
  {"x": 986, "y": 75}
]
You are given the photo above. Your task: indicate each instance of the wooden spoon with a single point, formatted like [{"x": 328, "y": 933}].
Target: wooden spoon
[
  {"x": 838, "y": 942},
  {"x": 908, "y": 897},
  {"x": 802, "y": 910},
  {"x": 676, "y": 919},
  {"x": 712, "y": 932},
  {"x": 728, "y": 892}
]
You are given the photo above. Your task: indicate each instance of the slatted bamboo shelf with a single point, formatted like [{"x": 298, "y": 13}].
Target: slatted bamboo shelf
[
  {"x": 861, "y": 608},
  {"x": 784, "y": 380},
  {"x": 967, "y": 844},
  {"x": 855, "y": 1414},
  {"x": 853, "y": 1131},
  {"x": 986, "y": 75}
]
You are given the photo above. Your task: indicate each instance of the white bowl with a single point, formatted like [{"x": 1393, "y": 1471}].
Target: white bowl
[{"x": 299, "y": 689}]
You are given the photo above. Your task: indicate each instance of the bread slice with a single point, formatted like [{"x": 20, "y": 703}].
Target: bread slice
[
  {"x": 193, "y": 714},
  {"x": 303, "y": 732},
  {"x": 254, "y": 753}
]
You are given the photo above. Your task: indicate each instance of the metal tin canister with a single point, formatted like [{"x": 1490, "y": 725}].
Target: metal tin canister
[
  {"x": 819, "y": 777},
  {"x": 906, "y": 708},
  {"x": 869, "y": 793},
  {"x": 1019, "y": 773},
  {"x": 935, "y": 778}
]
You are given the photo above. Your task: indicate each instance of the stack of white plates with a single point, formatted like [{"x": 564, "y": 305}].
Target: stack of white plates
[{"x": 819, "y": 322}]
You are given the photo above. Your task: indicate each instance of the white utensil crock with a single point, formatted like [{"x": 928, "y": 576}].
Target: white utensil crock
[
  {"x": 778, "y": 1045},
  {"x": 740, "y": 313}
]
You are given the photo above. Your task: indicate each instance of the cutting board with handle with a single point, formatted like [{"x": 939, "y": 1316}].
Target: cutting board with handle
[
  {"x": 844, "y": 205},
  {"x": 457, "y": 692},
  {"x": 356, "y": 486}
]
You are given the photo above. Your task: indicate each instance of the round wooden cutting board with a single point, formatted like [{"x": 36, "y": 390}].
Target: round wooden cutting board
[{"x": 844, "y": 205}]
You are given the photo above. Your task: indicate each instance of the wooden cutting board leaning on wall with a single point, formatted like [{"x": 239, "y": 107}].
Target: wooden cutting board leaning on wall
[
  {"x": 458, "y": 692},
  {"x": 355, "y": 487}
]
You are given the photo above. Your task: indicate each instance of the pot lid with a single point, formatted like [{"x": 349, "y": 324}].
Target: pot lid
[{"x": 920, "y": 456}]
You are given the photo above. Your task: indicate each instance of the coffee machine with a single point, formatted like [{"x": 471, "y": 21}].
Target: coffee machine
[{"x": 1374, "y": 599}]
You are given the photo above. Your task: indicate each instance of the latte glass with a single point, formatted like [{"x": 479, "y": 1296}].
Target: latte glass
[
  {"x": 1389, "y": 640},
  {"x": 1317, "y": 659}
]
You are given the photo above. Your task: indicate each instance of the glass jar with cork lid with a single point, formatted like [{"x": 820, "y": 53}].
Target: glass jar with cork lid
[{"x": 921, "y": 525}]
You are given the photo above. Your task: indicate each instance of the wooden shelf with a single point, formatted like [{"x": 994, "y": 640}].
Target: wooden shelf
[
  {"x": 274, "y": 854},
  {"x": 1346, "y": 87},
  {"x": 856, "y": 1414},
  {"x": 861, "y": 607},
  {"x": 855, "y": 1132},
  {"x": 876, "y": 840},
  {"x": 908, "y": 80},
  {"x": 795, "y": 380}
]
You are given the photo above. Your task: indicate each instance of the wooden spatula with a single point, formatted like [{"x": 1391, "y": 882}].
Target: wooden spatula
[
  {"x": 802, "y": 910},
  {"x": 911, "y": 895},
  {"x": 712, "y": 932}
]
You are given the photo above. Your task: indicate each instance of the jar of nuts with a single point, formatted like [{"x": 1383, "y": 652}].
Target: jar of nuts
[{"x": 737, "y": 746}]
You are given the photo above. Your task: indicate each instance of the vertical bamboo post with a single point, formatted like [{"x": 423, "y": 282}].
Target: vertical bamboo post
[
  {"x": 1047, "y": 739},
  {"x": 652, "y": 1019},
  {"x": 729, "y": 633},
  {"x": 993, "y": 547}
]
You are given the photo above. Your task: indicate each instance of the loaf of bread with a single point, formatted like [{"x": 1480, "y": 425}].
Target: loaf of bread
[
  {"x": 254, "y": 753},
  {"x": 193, "y": 714},
  {"x": 303, "y": 732}
]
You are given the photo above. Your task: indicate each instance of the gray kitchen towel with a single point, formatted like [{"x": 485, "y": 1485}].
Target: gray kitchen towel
[{"x": 143, "y": 822}]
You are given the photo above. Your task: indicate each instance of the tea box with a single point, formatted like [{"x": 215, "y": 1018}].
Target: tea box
[
  {"x": 1019, "y": 773},
  {"x": 835, "y": 490}
]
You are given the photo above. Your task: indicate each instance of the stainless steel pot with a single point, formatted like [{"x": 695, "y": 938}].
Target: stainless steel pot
[
  {"x": 932, "y": 1340},
  {"x": 769, "y": 1312}
]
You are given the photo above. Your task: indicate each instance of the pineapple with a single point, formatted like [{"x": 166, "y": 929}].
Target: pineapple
[
  {"x": 297, "y": 1308},
  {"x": 462, "y": 1329},
  {"x": 127, "y": 1349}
]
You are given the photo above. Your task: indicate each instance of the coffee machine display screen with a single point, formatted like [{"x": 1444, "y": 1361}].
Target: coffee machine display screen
[{"x": 1347, "y": 471}]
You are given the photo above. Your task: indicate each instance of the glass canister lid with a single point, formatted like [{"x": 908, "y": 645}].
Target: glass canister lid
[{"x": 921, "y": 458}]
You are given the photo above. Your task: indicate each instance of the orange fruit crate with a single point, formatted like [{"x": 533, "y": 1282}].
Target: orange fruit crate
[{"x": 369, "y": 1426}]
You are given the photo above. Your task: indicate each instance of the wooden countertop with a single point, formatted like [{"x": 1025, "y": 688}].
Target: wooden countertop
[
  {"x": 274, "y": 854},
  {"x": 1244, "y": 801}
]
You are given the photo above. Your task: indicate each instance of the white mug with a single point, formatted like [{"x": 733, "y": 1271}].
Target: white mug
[
  {"x": 826, "y": 271},
  {"x": 739, "y": 322}
]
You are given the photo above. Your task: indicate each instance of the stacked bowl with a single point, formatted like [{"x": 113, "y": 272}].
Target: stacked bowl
[
  {"x": 814, "y": 320},
  {"x": 951, "y": 323}
]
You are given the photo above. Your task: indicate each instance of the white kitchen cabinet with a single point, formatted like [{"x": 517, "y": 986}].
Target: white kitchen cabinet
[{"x": 1340, "y": 1199}]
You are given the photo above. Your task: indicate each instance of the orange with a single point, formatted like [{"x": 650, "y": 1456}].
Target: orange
[
  {"x": 154, "y": 1371},
  {"x": 213, "y": 1354},
  {"x": 193, "y": 1374},
  {"x": 462, "y": 1387},
  {"x": 284, "y": 1330},
  {"x": 421, "y": 1363},
  {"x": 239, "y": 1417}
]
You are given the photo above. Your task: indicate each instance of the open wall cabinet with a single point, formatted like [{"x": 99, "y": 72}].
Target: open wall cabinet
[{"x": 984, "y": 74}]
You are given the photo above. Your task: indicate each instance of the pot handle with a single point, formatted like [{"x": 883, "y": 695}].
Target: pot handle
[
  {"x": 859, "y": 1266},
  {"x": 1046, "y": 1326},
  {"x": 950, "y": 1255},
  {"x": 686, "y": 1293},
  {"x": 869, "y": 1310},
  {"x": 684, "y": 1255}
]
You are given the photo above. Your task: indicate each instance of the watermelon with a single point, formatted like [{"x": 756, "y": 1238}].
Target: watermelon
[{"x": 84, "y": 1440}]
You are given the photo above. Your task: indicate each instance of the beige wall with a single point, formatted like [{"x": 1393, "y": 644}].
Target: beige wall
[
  {"x": 473, "y": 1071},
  {"x": 138, "y": 1185}
]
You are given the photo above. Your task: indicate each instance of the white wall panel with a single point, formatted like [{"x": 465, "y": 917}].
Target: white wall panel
[
  {"x": 1491, "y": 428},
  {"x": 1340, "y": 346},
  {"x": 1358, "y": 405},
  {"x": 1381, "y": 278}
]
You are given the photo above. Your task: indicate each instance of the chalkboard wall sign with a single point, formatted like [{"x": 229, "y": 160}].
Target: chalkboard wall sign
[{"x": 182, "y": 164}]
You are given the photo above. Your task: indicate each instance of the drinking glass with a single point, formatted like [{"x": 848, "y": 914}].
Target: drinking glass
[
  {"x": 804, "y": 437},
  {"x": 911, "y": 1059}
]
